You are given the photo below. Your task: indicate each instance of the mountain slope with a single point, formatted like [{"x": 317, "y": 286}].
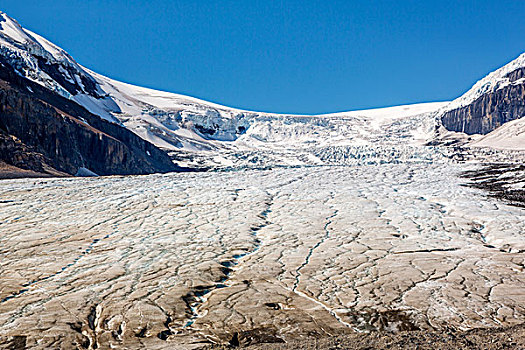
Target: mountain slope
[
  {"x": 191, "y": 128},
  {"x": 509, "y": 136},
  {"x": 201, "y": 134},
  {"x": 46, "y": 132},
  {"x": 69, "y": 136},
  {"x": 491, "y": 102}
]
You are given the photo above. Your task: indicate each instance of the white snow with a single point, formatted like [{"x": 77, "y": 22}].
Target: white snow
[
  {"x": 100, "y": 107},
  {"x": 85, "y": 172},
  {"x": 510, "y": 135},
  {"x": 181, "y": 123},
  {"x": 156, "y": 111},
  {"x": 379, "y": 115},
  {"x": 159, "y": 99},
  {"x": 492, "y": 82},
  {"x": 11, "y": 29},
  {"x": 51, "y": 48}
]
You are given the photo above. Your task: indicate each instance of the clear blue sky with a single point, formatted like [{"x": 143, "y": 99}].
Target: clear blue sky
[{"x": 304, "y": 56}]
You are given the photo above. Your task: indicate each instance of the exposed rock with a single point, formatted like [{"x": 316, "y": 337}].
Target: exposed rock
[
  {"x": 503, "y": 338},
  {"x": 88, "y": 86},
  {"x": 53, "y": 132},
  {"x": 517, "y": 74},
  {"x": 502, "y": 181},
  {"x": 491, "y": 110},
  {"x": 19, "y": 160}
]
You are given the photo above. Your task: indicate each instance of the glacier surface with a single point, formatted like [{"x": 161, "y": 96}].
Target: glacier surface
[{"x": 174, "y": 260}]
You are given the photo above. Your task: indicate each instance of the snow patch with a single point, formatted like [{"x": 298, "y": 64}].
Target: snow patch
[
  {"x": 85, "y": 172},
  {"x": 510, "y": 135}
]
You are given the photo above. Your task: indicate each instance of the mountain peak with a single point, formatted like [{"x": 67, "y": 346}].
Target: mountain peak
[
  {"x": 496, "y": 80},
  {"x": 11, "y": 29},
  {"x": 181, "y": 123}
]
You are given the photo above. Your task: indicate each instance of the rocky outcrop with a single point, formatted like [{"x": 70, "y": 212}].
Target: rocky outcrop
[
  {"x": 517, "y": 74},
  {"x": 62, "y": 74},
  {"x": 20, "y": 160},
  {"x": 66, "y": 135},
  {"x": 490, "y": 110}
]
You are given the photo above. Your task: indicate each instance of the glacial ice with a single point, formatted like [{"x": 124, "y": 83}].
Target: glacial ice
[{"x": 190, "y": 257}]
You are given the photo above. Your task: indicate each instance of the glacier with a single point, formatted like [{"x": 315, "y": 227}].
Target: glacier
[
  {"x": 206, "y": 135},
  {"x": 303, "y": 226},
  {"x": 174, "y": 260}
]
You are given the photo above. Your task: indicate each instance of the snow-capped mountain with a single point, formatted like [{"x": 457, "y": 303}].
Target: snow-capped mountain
[
  {"x": 508, "y": 75},
  {"x": 181, "y": 123},
  {"x": 491, "y": 102},
  {"x": 48, "y": 65},
  {"x": 198, "y": 133},
  {"x": 45, "y": 131}
]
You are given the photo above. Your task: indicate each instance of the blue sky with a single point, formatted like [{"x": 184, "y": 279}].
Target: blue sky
[{"x": 287, "y": 56}]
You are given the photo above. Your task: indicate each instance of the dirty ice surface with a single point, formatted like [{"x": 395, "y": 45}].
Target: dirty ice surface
[{"x": 178, "y": 260}]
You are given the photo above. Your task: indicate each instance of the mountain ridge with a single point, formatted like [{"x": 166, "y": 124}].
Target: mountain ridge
[
  {"x": 44, "y": 132},
  {"x": 200, "y": 134}
]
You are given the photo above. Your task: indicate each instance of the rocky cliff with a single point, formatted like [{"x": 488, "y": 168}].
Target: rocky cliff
[
  {"x": 53, "y": 131},
  {"x": 502, "y": 102}
]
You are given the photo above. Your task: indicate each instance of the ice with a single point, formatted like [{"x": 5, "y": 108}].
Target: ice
[
  {"x": 203, "y": 131},
  {"x": 304, "y": 225},
  {"x": 187, "y": 257},
  {"x": 96, "y": 106},
  {"x": 49, "y": 47},
  {"x": 85, "y": 172},
  {"x": 11, "y": 29},
  {"x": 193, "y": 125}
]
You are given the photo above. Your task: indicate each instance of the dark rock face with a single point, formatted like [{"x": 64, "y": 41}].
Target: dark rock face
[
  {"x": 16, "y": 153},
  {"x": 490, "y": 110},
  {"x": 52, "y": 130},
  {"x": 89, "y": 86},
  {"x": 517, "y": 74}
]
